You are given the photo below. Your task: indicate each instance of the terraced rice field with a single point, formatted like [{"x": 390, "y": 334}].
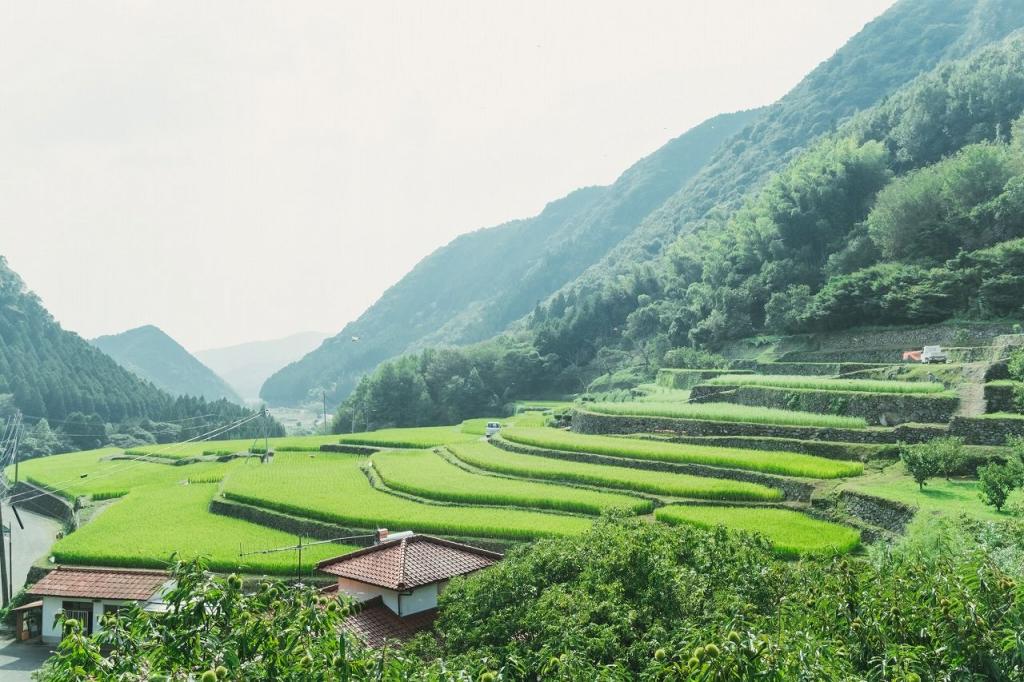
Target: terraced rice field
[
  {"x": 336, "y": 490},
  {"x": 152, "y": 522},
  {"x": 93, "y": 473},
  {"x": 420, "y": 437},
  {"x": 791, "y": 533},
  {"x": 826, "y": 384},
  {"x": 489, "y": 458},
  {"x": 782, "y": 463},
  {"x": 727, "y": 412},
  {"x": 426, "y": 474}
]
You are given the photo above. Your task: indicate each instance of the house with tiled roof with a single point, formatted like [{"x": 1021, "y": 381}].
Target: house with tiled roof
[
  {"x": 396, "y": 583},
  {"x": 88, "y": 593}
]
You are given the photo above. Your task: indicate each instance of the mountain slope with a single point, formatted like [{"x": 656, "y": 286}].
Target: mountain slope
[
  {"x": 55, "y": 377},
  {"x": 908, "y": 39},
  {"x": 247, "y": 365},
  {"x": 52, "y": 372},
  {"x": 481, "y": 282},
  {"x": 154, "y": 356}
]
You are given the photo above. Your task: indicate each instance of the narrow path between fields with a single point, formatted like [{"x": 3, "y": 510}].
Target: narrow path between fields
[{"x": 972, "y": 390}]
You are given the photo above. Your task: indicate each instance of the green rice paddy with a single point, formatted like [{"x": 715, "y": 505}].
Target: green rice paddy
[
  {"x": 791, "y": 533},
  {"x": 782, "y": 463},
  {"x": 420, "y": 437},
  {"x": 826, "y": 384},
  {"x": 727, "y": 412},
  {"x": 426, "y": 474},
  {"x": 151, "y": 523},
  {"x": 487, "y": 457},
  {"x": 336, "y": 490}
]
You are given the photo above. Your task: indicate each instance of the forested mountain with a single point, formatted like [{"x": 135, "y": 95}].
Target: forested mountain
[
  {"x": 56, "y": 378},
  {"x": 246, "y": 366},
  {"x": 911, "y": 211},
  {"x": 481, "y": 282},
  {"x": 154, "y": 356},
  {"x": 589, "y": 309}
]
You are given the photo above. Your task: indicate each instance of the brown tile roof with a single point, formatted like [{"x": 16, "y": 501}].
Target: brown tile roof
[
  {"x": 375, "y": 623},
  {"x": 100, "y": 583},
  {"x": 409, "y": 562}
]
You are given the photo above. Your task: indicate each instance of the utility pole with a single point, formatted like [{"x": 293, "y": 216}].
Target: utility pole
[
  {"x": 299, "y": 572},
  {"x": 10, "y": 535},
  {"x": 325, "y": 413},
  {"x": 9, "y": 439}
]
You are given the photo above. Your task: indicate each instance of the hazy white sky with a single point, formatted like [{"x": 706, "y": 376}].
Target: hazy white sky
[{"x": 232, "y": 171}]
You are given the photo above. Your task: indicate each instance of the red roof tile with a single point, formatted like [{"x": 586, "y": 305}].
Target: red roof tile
[
  {"x": 409, "y": 562},
  {"x": 375, "y": 623},
  {"x": 100, "y": 583}
]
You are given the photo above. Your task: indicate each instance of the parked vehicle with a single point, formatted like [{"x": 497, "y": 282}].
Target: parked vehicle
[
  {"x": 492, "y": 428},
  {"x": 933, "y": 354}
]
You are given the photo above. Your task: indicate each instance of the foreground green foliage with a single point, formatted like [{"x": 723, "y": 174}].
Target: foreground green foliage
[
  {"x": 490, "y": 458},
  {"x": 728, "y": 412},
  {"x": 426, "y": 474},
  {"x": 212, "y": 630},
  {"x": 784, "y": 463},
  {"x": 827, "y": 384},
  {"x": 334, "y": 488},
  {"x": 791, "y": 533},
  {"x": 640, "y": 601}
]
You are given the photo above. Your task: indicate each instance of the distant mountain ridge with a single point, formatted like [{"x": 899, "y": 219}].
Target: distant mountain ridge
[
  {"x": 246, "y": 366},
  {"x": 483, "y": 281},
  {"x": 440, "y": 303},
  {"x": 151, "y": 354}
]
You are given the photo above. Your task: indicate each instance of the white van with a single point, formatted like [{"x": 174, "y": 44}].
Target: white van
[{"x": 492, "y": 428}]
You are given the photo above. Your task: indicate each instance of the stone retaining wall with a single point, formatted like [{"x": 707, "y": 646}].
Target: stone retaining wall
[
  {"x": 1000, "y": 397},
  {"x": 888, "y": 514},
  {"x": 886, "y": 409},
  {"x": 41, "y": 501},
  {"x": 349, "y": 449},
  {"x": 815, "y": 368},
  {"x": 322, "y": 530},
  {"x": 793, "y": 489},
  {"x": 986, "y": 431},
  {"x": 853, "y": 452},
  {"x": 608, "y": 424},
  {"x": 287, "y": 523},
  {"x": 883, "y": 355}
]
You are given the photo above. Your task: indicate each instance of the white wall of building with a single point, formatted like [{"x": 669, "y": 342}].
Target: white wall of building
[
  {"x": 404, "y": 604},
  {"x": 53, "y": 605}
]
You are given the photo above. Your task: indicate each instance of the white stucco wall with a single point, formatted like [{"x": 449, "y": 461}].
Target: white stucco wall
[
  {"x": 421, "y": 599},
  {"x": 52, "y": 606}
]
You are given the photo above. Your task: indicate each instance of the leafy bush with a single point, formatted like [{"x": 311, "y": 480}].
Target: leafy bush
[
  {"x": 693, "y": 358},
  {"x": 278, "y": 632}
]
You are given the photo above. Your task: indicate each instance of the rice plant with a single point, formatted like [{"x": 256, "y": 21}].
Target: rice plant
[
  {"x": 783, "y": 463},
  {"x": 487, "y": 457},
  {"x": 791, "y": 533},
  {"x": 425, "y": 474},
  {"x": 728, "y": 412},
  {"x": 827, "y": 384},
  {"x": 336, "y": 490}
]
